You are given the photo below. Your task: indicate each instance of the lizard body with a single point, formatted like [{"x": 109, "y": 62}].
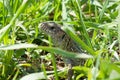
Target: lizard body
[{"x": 62, "y": 40}]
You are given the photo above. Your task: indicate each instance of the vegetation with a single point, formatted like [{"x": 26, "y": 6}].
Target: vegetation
[{"x": 24, "y": 49}]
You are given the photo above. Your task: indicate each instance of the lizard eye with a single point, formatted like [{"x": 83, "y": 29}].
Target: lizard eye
[{"x": 52, "y": 27}]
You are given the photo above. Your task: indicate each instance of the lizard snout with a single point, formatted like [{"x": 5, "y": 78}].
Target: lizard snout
[{"x": 42, "y": 24}]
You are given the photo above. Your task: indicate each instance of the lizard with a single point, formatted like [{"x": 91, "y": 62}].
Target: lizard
[{"x": 62, "y": 40}]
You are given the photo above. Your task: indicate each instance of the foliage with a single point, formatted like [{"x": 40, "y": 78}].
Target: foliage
[{"x": 95, "y": 21}]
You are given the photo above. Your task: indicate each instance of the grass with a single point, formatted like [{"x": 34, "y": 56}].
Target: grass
[{"x": 24, "y": 48}]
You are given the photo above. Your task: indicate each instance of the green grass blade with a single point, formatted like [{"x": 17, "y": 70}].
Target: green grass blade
[
  {"x": 83, "y": 25},
  {"x": 53, "y": 60},
  {"x": 44, "y": 71},
  {"x": 49, "y": 49},
  {"x": 81, "y": 43},
  {"x": 6, "y": 28},
  {"x": 103, "y": 10}
]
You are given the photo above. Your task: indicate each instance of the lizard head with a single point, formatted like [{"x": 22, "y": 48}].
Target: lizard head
[
  {"x": 51, "y": 28},
  {"x": 54, "y": 30}
]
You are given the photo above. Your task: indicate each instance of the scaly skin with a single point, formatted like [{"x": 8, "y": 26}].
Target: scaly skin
[{"x": 62, "y": 40}]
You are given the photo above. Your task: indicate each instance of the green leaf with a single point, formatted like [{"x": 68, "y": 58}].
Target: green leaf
[
  {"x": 49, "y": 49},
  {"x": 18, "y": 46},
  {"x": 34, "y": 76}
]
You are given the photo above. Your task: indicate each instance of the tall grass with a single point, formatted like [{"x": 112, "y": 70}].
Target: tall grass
[{"x": 97, "y": 25}]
